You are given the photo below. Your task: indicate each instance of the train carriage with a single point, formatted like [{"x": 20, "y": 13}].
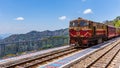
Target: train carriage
[
  {"x": 117, "y": 31},
  {"x": 111, "y": 31}
]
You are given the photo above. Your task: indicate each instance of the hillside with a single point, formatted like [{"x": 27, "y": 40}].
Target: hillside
[
  {"x": 115, "y": 22},
  {"x": 32, "y": 41},
  {"x": 34, "y": 35}
]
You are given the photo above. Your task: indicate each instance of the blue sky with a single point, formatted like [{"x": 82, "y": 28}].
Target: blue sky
[{"x": 22, "y": 16}]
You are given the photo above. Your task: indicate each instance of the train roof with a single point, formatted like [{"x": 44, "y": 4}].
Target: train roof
[{"x": 79, "y": 18}]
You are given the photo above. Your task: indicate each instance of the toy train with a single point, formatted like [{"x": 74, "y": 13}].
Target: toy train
[{"x": 84, "y": 33}]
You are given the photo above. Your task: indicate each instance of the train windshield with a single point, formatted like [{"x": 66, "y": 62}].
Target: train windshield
[
  {"x": 83, "y": 23},
  {"x": 73, "y": 24}
]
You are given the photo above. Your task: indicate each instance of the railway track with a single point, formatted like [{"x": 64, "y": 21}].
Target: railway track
[
  {"x": 104, "y": 60},
  {"x": 101, "y": 58},
  {"x": 30, "y": 63}
]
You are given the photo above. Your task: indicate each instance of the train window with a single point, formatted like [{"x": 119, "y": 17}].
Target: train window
[
  {"x": 73, "y": 24},
  {"x": 83, "y": 23}
]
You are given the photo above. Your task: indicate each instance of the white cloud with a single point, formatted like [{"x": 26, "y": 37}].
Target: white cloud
[
  {"x": 88, "y": 11},
  {"x": 62, "y": 18},
  {"x": 19, "y": 18}
]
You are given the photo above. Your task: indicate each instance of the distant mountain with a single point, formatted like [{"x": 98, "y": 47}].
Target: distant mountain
[
  {"x": 34, "y": 35},
  {"x": 2, "y": 36}
]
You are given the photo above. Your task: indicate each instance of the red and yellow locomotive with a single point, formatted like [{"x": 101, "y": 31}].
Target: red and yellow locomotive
[{"x": 85, "y": 32}]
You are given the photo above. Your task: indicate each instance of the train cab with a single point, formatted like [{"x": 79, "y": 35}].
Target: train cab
[{"x": 79, "y": 31}]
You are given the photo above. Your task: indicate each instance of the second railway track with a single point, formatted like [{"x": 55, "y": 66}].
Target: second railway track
[
  {"x": 101, "y": 58},
  {"x": 104, "y": 60}
]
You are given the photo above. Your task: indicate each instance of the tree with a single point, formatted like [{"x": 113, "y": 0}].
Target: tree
[{"x": 117, "y": 21}]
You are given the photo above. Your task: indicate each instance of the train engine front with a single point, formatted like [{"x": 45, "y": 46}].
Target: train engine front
[{"x": 80, "y": 31}]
